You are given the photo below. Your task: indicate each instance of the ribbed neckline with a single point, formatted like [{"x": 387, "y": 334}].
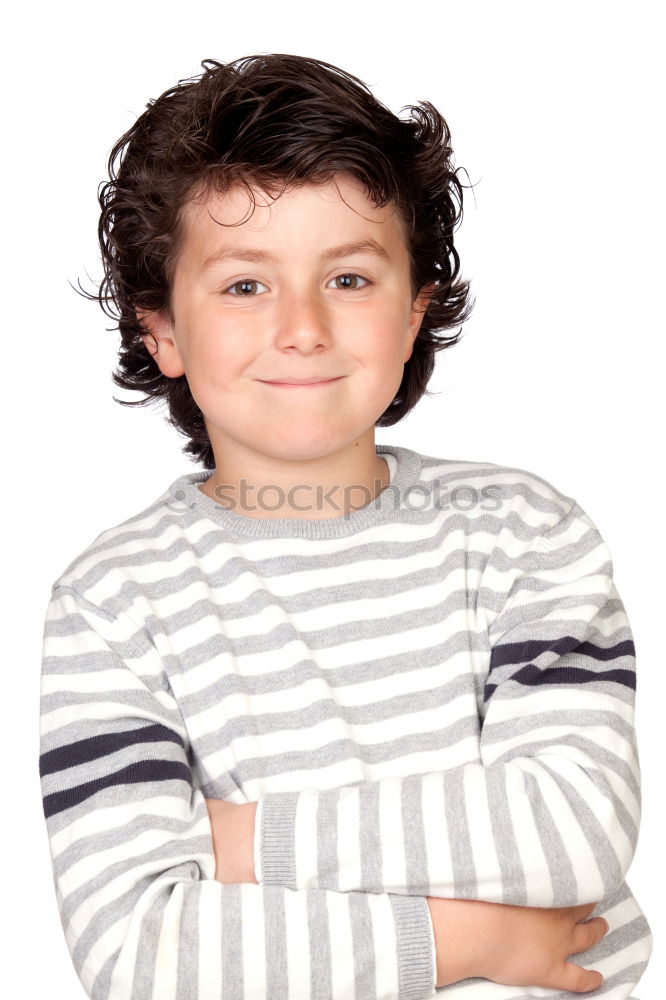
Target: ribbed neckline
[{"x": 184, "y": 494}]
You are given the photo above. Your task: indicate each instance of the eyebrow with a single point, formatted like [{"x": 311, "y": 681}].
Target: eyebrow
[{"x": 368, "y": 246}]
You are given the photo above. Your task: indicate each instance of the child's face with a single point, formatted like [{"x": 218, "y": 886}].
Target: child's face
[{"x": 241, "y": 323}]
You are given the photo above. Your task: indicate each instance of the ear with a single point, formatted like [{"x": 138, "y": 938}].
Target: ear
[
  {"x": 419, "y": 307},
  {"x": 160, "y": 343}
]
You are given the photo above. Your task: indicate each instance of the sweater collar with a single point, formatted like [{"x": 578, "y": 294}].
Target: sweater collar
[{"x": 404, "y": 464}]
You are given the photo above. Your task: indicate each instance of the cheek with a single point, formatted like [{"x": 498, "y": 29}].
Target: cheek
[
  {"x": 217, "y": 350},
  {"x": 368, "y": 331},
  {"x": 386, "y": 344}
]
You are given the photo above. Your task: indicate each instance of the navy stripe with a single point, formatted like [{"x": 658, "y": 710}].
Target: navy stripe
[
  {"x": 521, "y": 652},
  {"x": 140, "y": 771},
  {"x": 531, "y": 676},
  {"x": 82, "y": 751}
]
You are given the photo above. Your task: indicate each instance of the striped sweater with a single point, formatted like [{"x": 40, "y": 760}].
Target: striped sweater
[{"x": 430, "y": 695}]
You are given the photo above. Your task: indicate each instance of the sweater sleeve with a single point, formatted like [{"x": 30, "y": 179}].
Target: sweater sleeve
[
  {"x": 549, "y": 813},
  {"x": 133, "y": 859}
]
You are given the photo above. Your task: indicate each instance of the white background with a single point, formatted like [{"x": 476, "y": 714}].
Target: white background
[{"x": 556, "y": 110}]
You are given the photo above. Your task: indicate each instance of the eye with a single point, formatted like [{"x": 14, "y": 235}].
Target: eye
[
  {"x": 245, "y": 284},
  {"x": 352, "y": 277}
]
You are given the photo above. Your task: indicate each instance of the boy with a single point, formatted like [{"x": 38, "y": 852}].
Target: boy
[{"x": 326, "y": 719}]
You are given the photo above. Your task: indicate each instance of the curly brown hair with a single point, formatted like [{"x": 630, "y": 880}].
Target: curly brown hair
[{"x": 268, "y": 120}]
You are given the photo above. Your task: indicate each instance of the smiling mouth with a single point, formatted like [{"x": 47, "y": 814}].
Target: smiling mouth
[{"x": 303, "y": 385}]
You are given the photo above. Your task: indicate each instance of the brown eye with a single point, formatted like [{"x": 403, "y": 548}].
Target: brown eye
[
  {"x": 246, "y": 285},
  {"x": 351, "y": 281}
]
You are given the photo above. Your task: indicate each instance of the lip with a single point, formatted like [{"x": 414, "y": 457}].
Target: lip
[{"x": 302, "y": 385}]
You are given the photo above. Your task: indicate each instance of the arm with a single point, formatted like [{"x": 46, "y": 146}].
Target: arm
[
  {"x": 549, "y": 815},
  {"x": 478, "y": 939},
  {"x": 473, "y": 938},
  {"x": 133, "y": 858},
  {"x": 232, "y": 830}
]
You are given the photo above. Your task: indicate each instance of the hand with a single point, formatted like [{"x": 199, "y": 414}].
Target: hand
[
  {"x": 232, "y": 826},
  {"x": 514, "y": 945}
]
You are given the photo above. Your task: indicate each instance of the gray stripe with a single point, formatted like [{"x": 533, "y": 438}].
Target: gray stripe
[
  {"x": 187, "y": 976},
  {"x": 319, "y": 939},
  {"x": 370, "y": 847},
  {"x": 275, "y": 942},
  {"x": 231, "y": 950},
  {"x": 365, "y": 970},
  {"x": 413, "y": 826},
  {"x": 508, "y": 853},
  {"x": 146, "y": 952},
  {"x": 462, "y": 857},
  {"x": 562, "y": 876}
]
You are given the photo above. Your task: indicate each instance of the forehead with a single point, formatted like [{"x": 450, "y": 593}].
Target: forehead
[{"x": 311, "y": 214}]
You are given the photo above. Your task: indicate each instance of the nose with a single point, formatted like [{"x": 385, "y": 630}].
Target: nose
[{"x": 304, "y": 321}]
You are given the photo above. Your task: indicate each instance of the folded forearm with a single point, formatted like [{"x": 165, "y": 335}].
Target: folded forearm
[{"x": 232, "y": 828}]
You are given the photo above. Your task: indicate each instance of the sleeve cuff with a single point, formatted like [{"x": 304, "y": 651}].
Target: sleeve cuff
[
  {"x": 417, "y": 956},
  {"x": 274, "y": 839}
]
